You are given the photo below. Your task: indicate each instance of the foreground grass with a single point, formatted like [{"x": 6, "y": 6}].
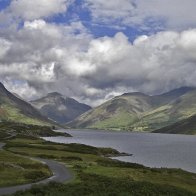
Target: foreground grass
[
  {"x": 95, "y": 185},
  {"x": 97, "y": 175},
  {"x": 15, "y": 170}
]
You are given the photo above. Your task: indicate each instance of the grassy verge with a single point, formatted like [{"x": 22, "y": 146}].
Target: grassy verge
[
  {"x": 96, "y": 174},
  {"x": 12, "y": 128},
  {"x": 14, "y": 169},
  {"x": 19, "y": 170}
]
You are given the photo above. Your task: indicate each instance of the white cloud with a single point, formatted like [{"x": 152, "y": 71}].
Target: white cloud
[
  {"x": 36, "y": 24},
  {"x": 4, "y": 47},
  {"x": 173, "y": 14},
  {"x": 40, "y": 57},
  {"x": 178, "y": 14},
  {"x": 23, "y": 88},
  {"x": 36, "y": 9},
  {"x": 42, "y": 53},
  {"x": 151, "y": 64},
  {"x": 48, "y": 57},
  {"x": 110, "y": 10}
]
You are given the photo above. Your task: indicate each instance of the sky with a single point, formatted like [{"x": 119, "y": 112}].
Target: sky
[{"x": 93, "y": 50}]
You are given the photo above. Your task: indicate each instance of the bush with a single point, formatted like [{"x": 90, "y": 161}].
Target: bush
[
  {"x": 34, "y": 176},
  {"x": 71, "y": 158},
  {"x": 95, "y": 185},
  {"x": 116, "y": 163}
]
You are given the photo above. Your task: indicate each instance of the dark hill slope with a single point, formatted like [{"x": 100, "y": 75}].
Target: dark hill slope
[
  {"x": 15, "y": 109},
  {"x": 59, "y": 108},
  {"x": 186, "y": 126}
]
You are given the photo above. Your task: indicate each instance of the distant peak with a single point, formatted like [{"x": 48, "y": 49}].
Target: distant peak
[
  {"x": 134, "y": 94},
  {"x": 54, "y": 94},
  {"x": 185, "y": 88},
  {"x": 1, "y": 85},
  {"x": 179, "y": 91},
  {"x": 2, "y": 88}
]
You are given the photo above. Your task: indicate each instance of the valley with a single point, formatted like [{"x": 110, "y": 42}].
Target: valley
[
  {"x": 97, "y": 98},
  {"x": 29, "y": 161},
  {"x": 93, "y": 170},
  {"x": 130, "y": 111}
]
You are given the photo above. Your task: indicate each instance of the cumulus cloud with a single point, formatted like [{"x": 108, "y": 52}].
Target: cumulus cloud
[
  {"x": 36, "y": 9},
  {"x": 42, "y": 53},
  {"x": 40, "y": 57},
  {"x": 162, "y": 61},
  {"x": 19, "y": 11},
  {"x": 43, "y": 57},
  {"x": 5, "y": 46}
]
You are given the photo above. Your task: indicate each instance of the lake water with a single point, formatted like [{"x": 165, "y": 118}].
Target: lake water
[{"x": 149, "y": 149}]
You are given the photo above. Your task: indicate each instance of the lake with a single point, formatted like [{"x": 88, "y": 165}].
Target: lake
[{"x": 149, "y": 149}]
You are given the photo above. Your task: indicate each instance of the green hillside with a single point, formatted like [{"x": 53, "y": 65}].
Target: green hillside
[
  {"x": 181, "y": 108},
  {"x": 186, "y": 126},
  {"x": 117, "y": 113},
  {"x": 140, "y": 112},
  {"x": 15, "y": 109}
]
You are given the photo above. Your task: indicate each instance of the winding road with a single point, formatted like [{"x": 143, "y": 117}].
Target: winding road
[{"x": 60, "y": 174}]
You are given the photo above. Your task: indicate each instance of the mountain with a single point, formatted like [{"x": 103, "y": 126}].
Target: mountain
[
  {"x": 15, "y": 109},
  {"x": 140, "y": 112},
  {"x": 59, "y": 108},
  {"x": 171, "y": 95},
  {"x": 177, "y": 109},
  {"x": 186, "y": 126},
  {"x": 119, "y": 112}
]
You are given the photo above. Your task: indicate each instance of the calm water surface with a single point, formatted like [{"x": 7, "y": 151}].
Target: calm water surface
[{"x": 149, "y": 149}]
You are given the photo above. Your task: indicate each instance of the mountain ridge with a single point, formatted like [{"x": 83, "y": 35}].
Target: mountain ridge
[
  {"x": 140, "y": 112},
  {"x": 15, "y": 109},
  {"x": 59, "y": 108}
]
